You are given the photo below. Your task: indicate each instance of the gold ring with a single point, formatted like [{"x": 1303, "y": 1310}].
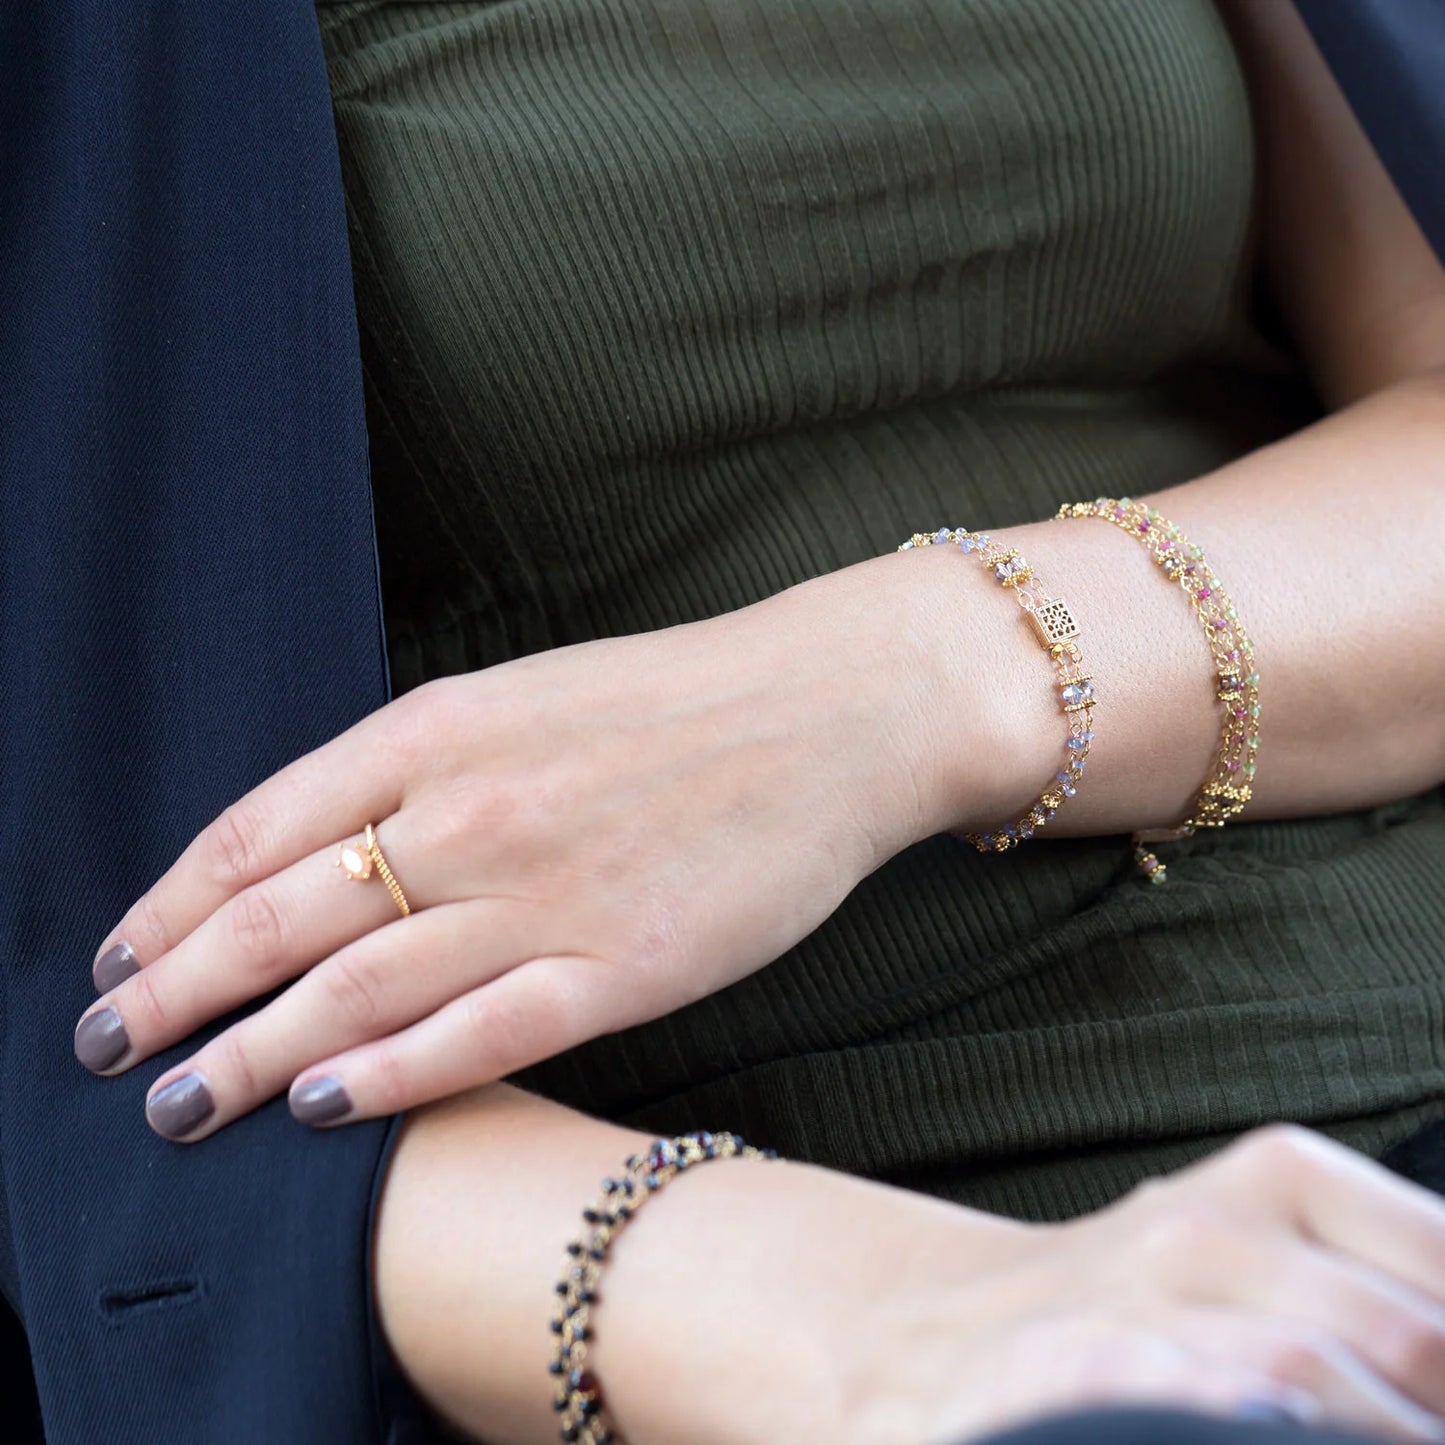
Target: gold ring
[{"x": 359, "y": 857}]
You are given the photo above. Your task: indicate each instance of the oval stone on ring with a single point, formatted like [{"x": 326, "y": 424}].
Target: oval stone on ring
[{"x": 356, "y": 860}]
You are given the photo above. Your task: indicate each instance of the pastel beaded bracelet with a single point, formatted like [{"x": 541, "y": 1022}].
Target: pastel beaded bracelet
[
  {"x": 578, "y": 1396},
  {"x": 1227, "y": 788},
  {"x": 1059, "y": 634}
]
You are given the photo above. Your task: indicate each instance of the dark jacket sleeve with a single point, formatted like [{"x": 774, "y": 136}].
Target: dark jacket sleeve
[
  {"x": 188, "y": 599},
  {"x": 1389, "y": 59}
]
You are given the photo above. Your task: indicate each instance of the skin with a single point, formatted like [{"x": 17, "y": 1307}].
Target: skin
[
  {"x": 752, "y": 1302},
  {"x": 597, "y": 835}
]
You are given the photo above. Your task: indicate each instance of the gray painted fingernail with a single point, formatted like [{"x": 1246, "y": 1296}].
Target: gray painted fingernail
[
  {"x": 319, "y": 1101},
  {"x": 101, "y": 1039},
  {"x": 183, "y": 1105},
  {"x": 114, "y": 966}
]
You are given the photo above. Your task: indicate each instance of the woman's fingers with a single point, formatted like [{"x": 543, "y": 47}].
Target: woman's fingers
[
  {"x": 1344, "y": 1200},
  {"x": 268, "y": 933},
  {"x": 385, "y": 980},
  {"x": 1397, "y": 1332},
  {"x": 321, "y": 798},
  {"x": 527, "y": 1014},
  {"x": 1308, "y": 1364}
]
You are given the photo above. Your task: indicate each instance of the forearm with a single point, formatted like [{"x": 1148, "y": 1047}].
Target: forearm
[
  {"x": 484, "y": 1191},
  {"x": 1332, "y": 545}
]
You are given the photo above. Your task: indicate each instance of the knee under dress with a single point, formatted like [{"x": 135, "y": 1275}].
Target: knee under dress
[{"x": 669, "y": 304}]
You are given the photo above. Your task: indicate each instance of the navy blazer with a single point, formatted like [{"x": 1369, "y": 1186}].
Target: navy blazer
[
  {"x": 189, "y": 599},
  {"x": 1389, "y": 59}
]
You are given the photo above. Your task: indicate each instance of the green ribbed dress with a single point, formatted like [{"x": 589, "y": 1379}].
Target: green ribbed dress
[{"x": 669, "y": 304}]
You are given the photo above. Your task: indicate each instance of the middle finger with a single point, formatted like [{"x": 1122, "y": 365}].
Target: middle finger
[
  {"x": 383, "y": 981},
  {"x": 265, "y": 935}
]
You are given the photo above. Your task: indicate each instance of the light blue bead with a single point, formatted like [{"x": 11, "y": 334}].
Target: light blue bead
[{"x": 941, "y": 535}]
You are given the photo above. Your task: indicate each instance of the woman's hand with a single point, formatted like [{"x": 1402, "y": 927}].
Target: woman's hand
[
  {"x": 589, "y": 838},
  {"x": 1286, "y": 1269},
  {"x": 754, "y": 1302}
]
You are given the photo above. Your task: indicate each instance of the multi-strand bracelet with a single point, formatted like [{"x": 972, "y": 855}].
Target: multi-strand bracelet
[
  {"x": 1059, "y": 634},
  {"x": 578, "y": 1396},
  {"x": 1227, "y": 788}
]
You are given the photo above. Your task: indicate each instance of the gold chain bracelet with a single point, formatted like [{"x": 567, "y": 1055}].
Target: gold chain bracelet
[
  {"x": 1227, "y": 788},
  {"x": 578, "y": 1396},
  {"x": 1059, "y": 634}
]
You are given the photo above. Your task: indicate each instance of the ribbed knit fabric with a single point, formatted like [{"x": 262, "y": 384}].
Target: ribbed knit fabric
[{"x": 669, "y": 304}]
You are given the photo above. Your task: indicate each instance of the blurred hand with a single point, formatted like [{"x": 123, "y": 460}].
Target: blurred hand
[{"x": 758, "y": 1302}]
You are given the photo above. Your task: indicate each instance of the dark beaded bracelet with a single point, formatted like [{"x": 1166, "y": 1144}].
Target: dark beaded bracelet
[{"x": 578, "y": 1397}]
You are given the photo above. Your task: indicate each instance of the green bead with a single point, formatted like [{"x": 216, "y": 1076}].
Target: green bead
[
  {"x": 1230, "y": 613},
  {"x": 1173, "y": 529},
  {"x": 1252, "y": 679},
  {"x": 1254, "y": 709},
  {"x": 1195, "y": 553},
  {"x": 1253, "y": 743},
  {"x": 1126, "y": 501},
  {"x": 1250, "y": 769}
]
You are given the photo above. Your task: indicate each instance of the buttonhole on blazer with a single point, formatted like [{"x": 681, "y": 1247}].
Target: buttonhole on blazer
[{"x": 125, "y": 1303}]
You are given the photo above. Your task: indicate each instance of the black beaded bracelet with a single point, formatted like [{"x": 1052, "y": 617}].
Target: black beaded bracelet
[{"x": 578, "y": 1397}]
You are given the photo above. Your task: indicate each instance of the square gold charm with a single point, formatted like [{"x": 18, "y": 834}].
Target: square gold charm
[{"x": 1054, "y": 621}]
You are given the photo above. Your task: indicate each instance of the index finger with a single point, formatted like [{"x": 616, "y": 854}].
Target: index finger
[{"x": 324, "y": 797}]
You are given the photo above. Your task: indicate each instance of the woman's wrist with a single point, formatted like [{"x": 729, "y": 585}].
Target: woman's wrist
[
  {"x": 749, "y": 1301},
  {"x": 969, "y": 700},
  {"x": 987, "y": 730},
  {"x": 780, "y": 1294}
]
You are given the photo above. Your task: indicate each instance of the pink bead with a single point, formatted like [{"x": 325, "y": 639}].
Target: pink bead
[
  {"x": 1234, "y": 654},
  {"x": 1120, "y": 513},
  {"x": 1143, "y": 526},
  {"x": 1220, "y": 622},
  {"x": 1234, "y": 765},
  {"x": 1239, "y": 712}
]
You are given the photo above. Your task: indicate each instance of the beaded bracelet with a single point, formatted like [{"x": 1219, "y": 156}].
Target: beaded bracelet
[
  {"x": 578, "y": 1397},
  {"x": 1227, "y": 787},
  {"x": 1059, "y": 634}
]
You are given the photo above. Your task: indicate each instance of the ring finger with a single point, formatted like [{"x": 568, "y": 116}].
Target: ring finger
[
  {"x": 265, "y": 935},
  {"x": 382, "y": 981}
]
